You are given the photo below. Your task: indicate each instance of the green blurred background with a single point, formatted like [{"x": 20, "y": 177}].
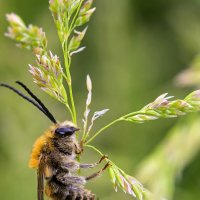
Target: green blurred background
[{"x": 135, "y": 48}]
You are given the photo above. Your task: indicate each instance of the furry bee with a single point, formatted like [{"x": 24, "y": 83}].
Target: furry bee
[{"x": 54, "y": 156}]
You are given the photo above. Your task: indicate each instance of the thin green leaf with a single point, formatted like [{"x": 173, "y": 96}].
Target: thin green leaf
[
  {"x": 83, "y": 19},
  {"x": 86, "y": 6},
  {"x": 75, "y": 42}
]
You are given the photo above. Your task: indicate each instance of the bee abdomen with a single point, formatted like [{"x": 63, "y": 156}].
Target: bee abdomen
[
  {"x": 80, "y": 194},
  {"x": 58, "y": 191},
  {"x": 64, "y": 194}
]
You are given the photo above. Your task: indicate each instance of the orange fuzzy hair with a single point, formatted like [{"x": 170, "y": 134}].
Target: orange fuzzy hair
[{"x": 38, "y": 146}]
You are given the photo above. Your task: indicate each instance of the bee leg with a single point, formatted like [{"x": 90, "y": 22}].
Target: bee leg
[
  {"x": 97, "y": 173},
  {"x": 93, "y": 165},
  {"x": 102, "y": 158},
  {"x": 66, "y": 180}
]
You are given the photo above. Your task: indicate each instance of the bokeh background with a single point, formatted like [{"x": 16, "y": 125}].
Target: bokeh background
[{"x": 135, "y": 48}]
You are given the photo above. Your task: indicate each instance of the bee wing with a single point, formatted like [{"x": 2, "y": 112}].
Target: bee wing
[{"x": 40, "y": 178}]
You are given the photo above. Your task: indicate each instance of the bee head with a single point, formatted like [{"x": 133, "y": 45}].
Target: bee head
[{"x": 66, "y": 129}]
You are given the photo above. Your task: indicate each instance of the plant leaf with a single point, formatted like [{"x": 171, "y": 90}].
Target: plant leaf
[
  {"x": 83, "y": 19},
  {"x": 77, "y": 51},
  {"x": 29, "y": 37},
  {"x": 162, "y": 107},
  {"x": 86, "y": 6},
  {"x": 98, "y": 114},
  {"x": 125, "y": 182},
  {"x": 76, "y": 40}
]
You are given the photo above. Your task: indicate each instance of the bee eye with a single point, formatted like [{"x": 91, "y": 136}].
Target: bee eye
[{"x": 66, "y": 131}]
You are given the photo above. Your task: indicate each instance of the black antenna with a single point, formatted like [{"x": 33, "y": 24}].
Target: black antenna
[
  {"x": 38, "y": 100},
  {"x": 30, "y": 100}
]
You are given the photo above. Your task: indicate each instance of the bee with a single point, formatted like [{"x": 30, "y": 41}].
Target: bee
[{"x": 54, "y": 157}]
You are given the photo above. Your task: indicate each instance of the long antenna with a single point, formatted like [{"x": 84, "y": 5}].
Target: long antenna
[
  {"x": 29, "y": 100},
  {"x": 38, "y": 100}
]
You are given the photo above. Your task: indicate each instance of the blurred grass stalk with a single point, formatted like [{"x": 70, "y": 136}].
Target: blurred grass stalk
[
  {"x": 163, "y": 167},
  {"x": 160, "y": 170}
]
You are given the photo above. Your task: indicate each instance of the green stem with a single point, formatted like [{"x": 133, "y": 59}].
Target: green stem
[
  {"x": 84, "y": 130},
  {"x": 84, "y": 137},
  {"x": 95, "y": 149},
  {"x": 72, "y": 104},
  {"x": 73, "y": 110},
  {"x": 113, "y": 122},
  {"x": 132, "y": 114},
  {"x": 64, "y": 43},
  {"x": 70, "y": 110},
  {"x": 69, "y": 83},
  {"x": 102, "y": 129},
  {"x": 99, "y": 152},
  {"x": 75, "y": 17},
  {"x": 69, "y": 79}
]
